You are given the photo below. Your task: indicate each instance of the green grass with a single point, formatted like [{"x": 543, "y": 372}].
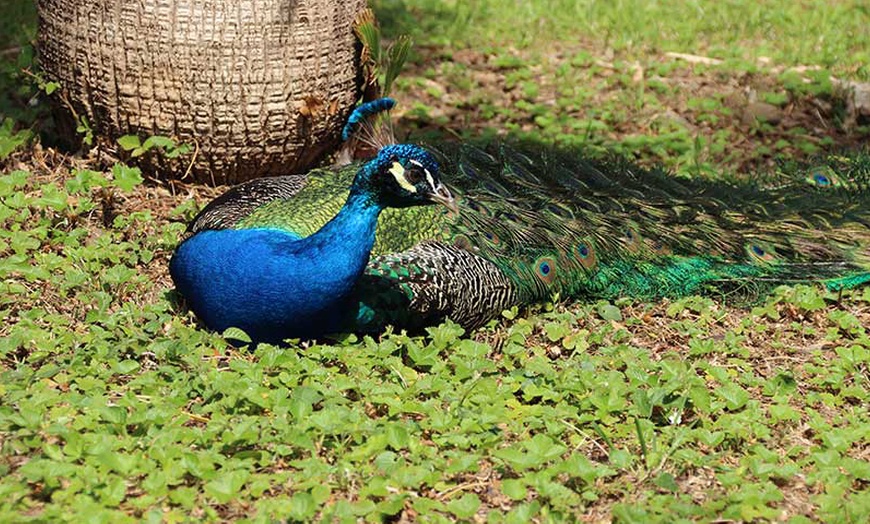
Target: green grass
[
  {"x": 116, "y": 406},
  {"x": 812, "y": 32}
]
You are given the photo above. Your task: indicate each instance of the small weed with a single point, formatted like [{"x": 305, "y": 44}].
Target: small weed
[{"x": 10, "y": 139}]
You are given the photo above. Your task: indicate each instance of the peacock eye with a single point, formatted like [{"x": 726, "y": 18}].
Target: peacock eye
[{"x": 414, "y": 175}]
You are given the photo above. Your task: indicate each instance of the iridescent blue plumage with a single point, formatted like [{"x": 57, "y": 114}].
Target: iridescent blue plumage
[
  {"x": 271, "y": 283},
  {"x": 274, "y": 284},
  {"x": 364, "y": 111}
]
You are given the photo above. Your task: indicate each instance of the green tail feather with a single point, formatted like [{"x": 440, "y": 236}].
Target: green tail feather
[{"x": 848, "y": 282}]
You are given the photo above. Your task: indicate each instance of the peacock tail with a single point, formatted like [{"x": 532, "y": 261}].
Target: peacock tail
[{"x": 535, "y": 222}]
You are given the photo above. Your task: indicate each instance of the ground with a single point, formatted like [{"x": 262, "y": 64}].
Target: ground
[{"x": 117, "y": 406}]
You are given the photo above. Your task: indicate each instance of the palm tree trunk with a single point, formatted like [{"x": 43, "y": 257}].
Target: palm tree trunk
[{"x": 259, "y": 86}]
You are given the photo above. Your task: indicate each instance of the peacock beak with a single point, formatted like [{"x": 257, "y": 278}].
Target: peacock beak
[{"x": 442, "y": 196}]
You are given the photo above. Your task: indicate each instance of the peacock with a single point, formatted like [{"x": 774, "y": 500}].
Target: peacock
[{"x": 358, "y": 247}]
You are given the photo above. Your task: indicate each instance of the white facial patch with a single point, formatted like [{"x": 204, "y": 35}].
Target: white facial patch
[
  {"x": 398, "y": 172},
  {"x": 429, "y": 179}
]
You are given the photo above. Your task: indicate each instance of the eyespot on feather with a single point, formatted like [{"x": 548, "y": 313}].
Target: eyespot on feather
[
  {"x": 476, "y": 206},
  {"x": 761, "y": 252},
  {"x": 632, "y": 240},
  {"x": 584, "y": 253},
  {"x": 658, "y": 247},
  {"x": 492, "y": 238},
  {"x": 546, "y": 269},
  {"x": 822, "y": 177},
  {"x": 462, "y": 242}
]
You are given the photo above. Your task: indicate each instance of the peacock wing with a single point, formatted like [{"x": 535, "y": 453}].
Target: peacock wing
[{"x": 299, "y": 203}]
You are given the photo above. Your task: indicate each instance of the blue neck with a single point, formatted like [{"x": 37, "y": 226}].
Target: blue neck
[
  {"x": 352, "y": 230},
  {"x": 273, "y": 284}
]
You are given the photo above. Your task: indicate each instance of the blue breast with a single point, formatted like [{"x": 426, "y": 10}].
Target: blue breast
[{"x": 271, "y": 283}]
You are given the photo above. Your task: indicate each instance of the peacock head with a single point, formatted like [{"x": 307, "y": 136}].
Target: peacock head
[{"x": 404, "y": 175}]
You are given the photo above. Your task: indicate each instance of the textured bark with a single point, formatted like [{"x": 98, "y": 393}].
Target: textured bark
[{"x": 261, "y": 86}]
